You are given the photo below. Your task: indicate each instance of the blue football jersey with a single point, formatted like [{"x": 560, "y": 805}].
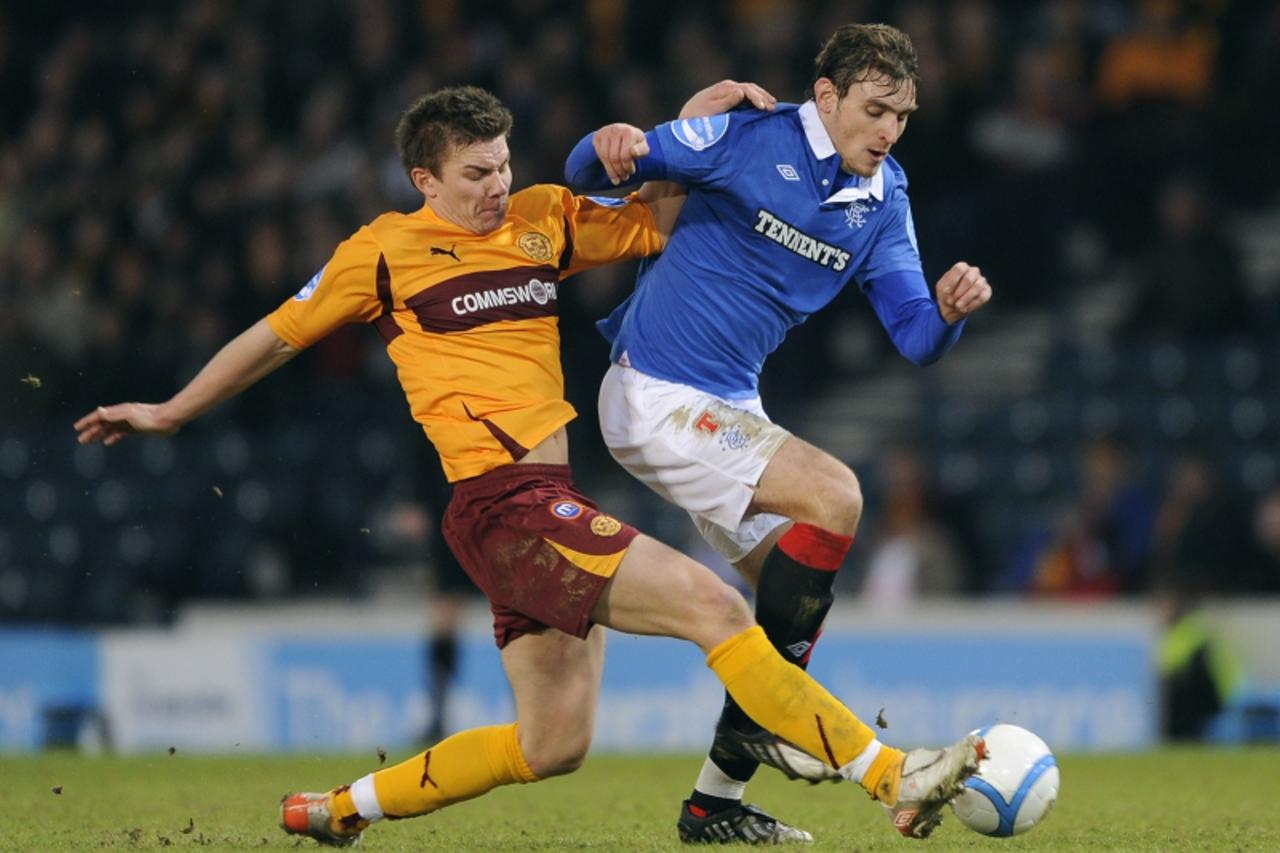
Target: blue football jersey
[{"x": 773, "y": 228}]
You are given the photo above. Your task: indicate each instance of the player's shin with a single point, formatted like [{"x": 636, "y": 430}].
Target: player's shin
[
  {"x": 785, "y": 700},
  {"x": 460, "y": 767},
  {"x": 794, "y": 593},
  {"x": 793, "y": 597}
]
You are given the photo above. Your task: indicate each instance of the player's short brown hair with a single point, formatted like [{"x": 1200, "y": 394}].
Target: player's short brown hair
[
  {"x": 445, "y": 120},
  {"x": 858, "y": 52}
]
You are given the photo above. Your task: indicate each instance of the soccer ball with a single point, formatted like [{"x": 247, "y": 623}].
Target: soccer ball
[{"x": 1015, "y": 786}]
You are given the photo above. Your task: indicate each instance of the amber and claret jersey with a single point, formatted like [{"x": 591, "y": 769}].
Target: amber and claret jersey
[{"x": 471, "y": 320}]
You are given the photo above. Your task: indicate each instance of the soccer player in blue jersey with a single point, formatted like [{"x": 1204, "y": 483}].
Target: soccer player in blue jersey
[{"x": 786, "y": 206}]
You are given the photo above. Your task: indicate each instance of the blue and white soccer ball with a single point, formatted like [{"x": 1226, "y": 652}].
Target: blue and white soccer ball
[{"x": 1015, "y": 786}]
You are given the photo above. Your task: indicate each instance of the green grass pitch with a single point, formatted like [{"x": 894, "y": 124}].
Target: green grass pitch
[{"x": 1174, "y": 799}]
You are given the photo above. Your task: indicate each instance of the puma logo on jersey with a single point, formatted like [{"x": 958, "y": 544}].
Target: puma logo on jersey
[
  {"x": 794, "y": 240},
  {"x": 449, "y": 251}
]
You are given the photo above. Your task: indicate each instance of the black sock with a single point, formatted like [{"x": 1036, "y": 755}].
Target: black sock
[
  {"x": 709, "y": 804},
  {"x": 792, "y": 600}
]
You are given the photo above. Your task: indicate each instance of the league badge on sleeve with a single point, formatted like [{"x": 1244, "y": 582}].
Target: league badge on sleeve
[
  {"x": 701, "y": 132},
  {"x": 310, "y": 287}
]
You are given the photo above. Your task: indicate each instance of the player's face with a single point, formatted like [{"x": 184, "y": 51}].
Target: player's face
[
  {"x": 867, "y": 121},
  {"x": 473, "y": 186}
]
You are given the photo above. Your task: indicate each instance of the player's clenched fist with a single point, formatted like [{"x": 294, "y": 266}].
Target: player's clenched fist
[
  {"x": 618, "y": 146},
  {"x": 962, "y": 290}
]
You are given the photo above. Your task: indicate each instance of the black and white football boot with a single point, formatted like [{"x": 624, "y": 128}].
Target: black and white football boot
[{"x": 741, "y": 824}]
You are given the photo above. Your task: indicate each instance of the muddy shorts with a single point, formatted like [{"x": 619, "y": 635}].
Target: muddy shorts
[
  {"x": 702, "y": 453},
  {"x": 536, "y": 546}
]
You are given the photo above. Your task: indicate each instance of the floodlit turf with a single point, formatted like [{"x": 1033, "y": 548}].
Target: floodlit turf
[{"x": 1186, "y": 799}]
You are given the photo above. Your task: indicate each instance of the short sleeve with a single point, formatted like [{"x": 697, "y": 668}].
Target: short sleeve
[
  {"x": 895, "y": 248},
  {"x": 345, "y": 290},
  {"x": 603, "y": 230}
]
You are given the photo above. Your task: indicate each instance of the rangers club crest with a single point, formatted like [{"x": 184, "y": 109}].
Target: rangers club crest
[{"x": 855, "y": 214}]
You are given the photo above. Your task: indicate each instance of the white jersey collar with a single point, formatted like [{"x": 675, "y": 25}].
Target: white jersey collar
[{"x": 822, "y": 148}]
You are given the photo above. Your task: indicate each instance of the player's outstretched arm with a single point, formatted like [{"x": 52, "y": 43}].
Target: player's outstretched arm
[
  {"x": 962, "y": 290},
  {"x": 252, "y": 355}
]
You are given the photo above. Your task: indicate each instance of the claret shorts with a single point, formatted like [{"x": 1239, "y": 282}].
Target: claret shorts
[{"x": 538, "y": 548}]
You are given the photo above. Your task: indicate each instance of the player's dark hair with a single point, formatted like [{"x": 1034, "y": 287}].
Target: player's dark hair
[
  {"x": 446, "y": 120},
  {"x": 858, "y": 52}
]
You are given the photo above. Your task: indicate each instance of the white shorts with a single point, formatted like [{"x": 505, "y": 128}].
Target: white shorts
[{"x": 703, "y": 454}]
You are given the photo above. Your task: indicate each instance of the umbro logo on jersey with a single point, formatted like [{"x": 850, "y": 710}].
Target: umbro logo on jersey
[
  {"x": 795, "y": 240},
  {"x": 788, "y": 171},
  {"x": 449, "y": 251}
]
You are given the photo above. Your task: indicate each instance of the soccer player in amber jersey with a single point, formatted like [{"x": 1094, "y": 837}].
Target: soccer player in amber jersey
[{"x": 463, "y": 292}]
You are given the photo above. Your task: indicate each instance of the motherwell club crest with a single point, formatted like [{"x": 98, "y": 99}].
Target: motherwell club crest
[{"x": 535, "y": 245}]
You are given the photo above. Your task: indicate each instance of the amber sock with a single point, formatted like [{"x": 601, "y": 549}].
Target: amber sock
[
  {"x": 460, "y": 767},
  {"x": 785, "y": 700}
]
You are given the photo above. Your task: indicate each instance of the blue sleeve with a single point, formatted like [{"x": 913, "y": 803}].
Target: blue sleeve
[
  {"x": 894, "y": 248},
  {"x": 584, "y": 172},
  {"x": 908, "y": 313},
  {"x": 690, "y": 151}
]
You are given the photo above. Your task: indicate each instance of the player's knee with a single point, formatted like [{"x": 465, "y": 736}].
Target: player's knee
[
  {"x": 833, "y": 500},
  {"x": 718, "y": 611},
  {"x": 559, "y": 756},
  {"x": 848, "y": 497}
]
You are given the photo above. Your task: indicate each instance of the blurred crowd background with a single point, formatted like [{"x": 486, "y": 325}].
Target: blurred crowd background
[{"x": 1108, "y": 426}]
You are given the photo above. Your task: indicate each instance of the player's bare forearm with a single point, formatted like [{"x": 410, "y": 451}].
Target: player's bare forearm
[
  {"x": 252, "y": 355},
  {"x": 724, "y": 96},
  {"x": 962, "y": 290},
  {"x": 665, "y": 199}
]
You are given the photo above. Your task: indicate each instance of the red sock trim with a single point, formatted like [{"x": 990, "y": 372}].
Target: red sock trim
[{"x": 814, "y": 547}]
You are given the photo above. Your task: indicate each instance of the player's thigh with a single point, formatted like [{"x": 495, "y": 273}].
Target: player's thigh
[
  {"x": 555, "y": 678},
  {"x": 656, "y": 590},
  {"x": 805, "y": 483}
]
